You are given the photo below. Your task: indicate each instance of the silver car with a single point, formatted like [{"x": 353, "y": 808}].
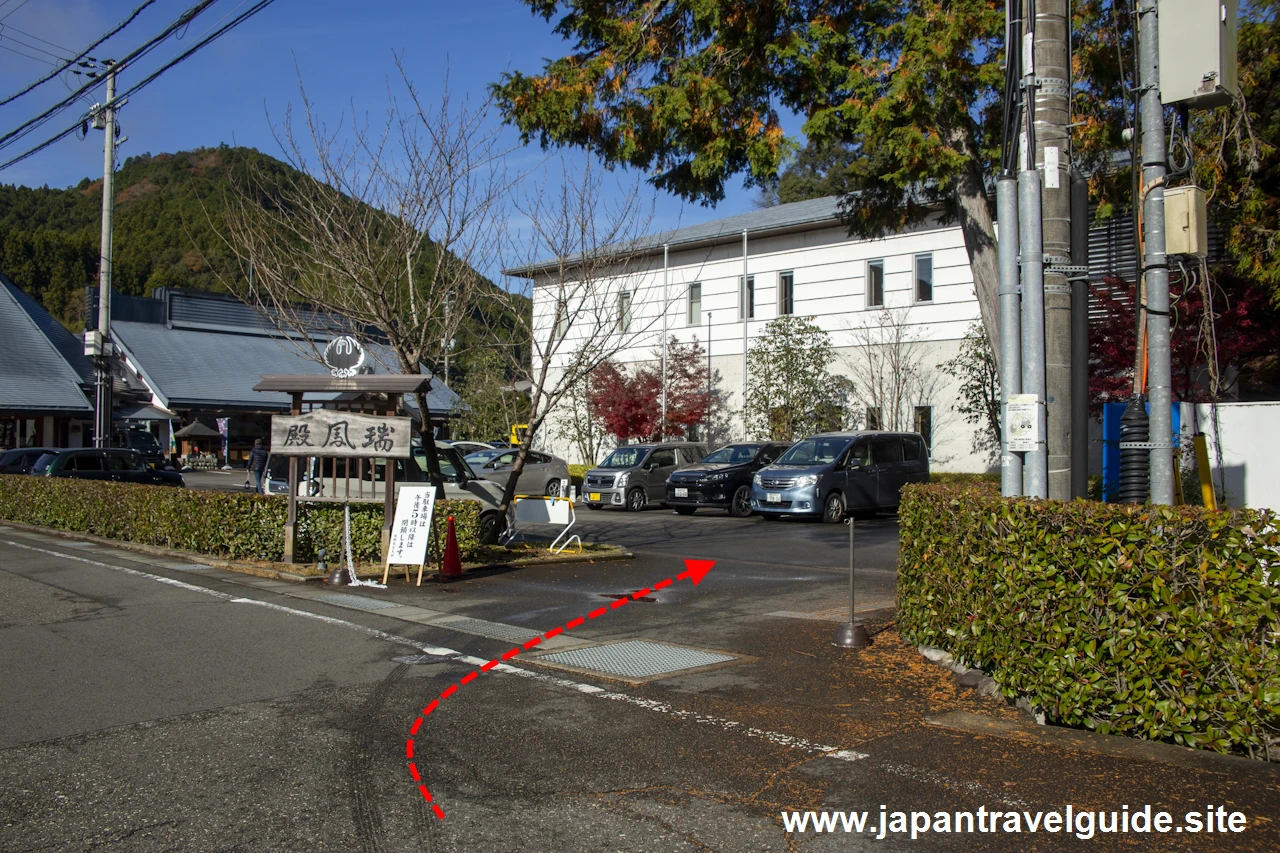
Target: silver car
[
  {"x": 837, "y": 473},
  {"x": 543, "y": 473},
  {"x": 635, "y": 475}
]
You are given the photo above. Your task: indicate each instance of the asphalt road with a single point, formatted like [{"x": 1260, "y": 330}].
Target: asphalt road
[{"x": 150, "y": 706}]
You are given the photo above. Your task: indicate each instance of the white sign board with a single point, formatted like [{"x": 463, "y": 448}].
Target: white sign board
[
  {"x": 1022, "y": 422},
  {"x": 412, "y": 527},
  {"x": 540, "y": 511},
  {"x": 329, "y": 432}
]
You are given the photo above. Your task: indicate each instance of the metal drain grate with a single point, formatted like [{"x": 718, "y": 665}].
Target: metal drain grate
[
  {"x": 492, "y": 630},
  {"x": 358, "y": 601},
  {"x": 636, "y": 659}
]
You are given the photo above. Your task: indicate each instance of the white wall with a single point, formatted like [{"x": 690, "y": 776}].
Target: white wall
[
  {"x": 1250, "y": 469},
  {"x": 830, "y": 286}
]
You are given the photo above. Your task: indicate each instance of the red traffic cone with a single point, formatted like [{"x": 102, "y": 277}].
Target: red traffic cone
[{"x": 451, "y": 566}]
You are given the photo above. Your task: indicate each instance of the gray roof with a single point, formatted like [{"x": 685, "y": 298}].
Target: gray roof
[
  {"x": 42, "y": 365},
  {"x": 795, "y": 216},
  {"x": 194, "y": 369}
]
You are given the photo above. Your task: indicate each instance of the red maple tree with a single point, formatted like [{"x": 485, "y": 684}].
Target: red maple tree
[
  {"x": 629, "y": 401},
  {"x": 1245, "y": 327}
]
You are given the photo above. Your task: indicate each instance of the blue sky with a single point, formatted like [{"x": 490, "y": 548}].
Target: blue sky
[{"x": 342, "y": 50}]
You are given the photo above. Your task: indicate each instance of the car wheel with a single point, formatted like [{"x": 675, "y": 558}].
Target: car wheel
[
  {"x": 686, "y": 510},
  {"x": 833, "y": 509},
  {"x": 491, "y": 526},
  {"x": 635, "y": 499},
  {"x": 553, "y": 488},
  {"x": 740, "y": 506}
]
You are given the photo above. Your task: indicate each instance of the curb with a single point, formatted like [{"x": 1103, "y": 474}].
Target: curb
[{"x": 285, "y": 574}]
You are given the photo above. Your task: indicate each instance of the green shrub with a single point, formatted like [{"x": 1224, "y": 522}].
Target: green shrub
[
  {"x": 1156, "y": 622},
  {"x": 959, "y": 477},
  {"x": 234, "y": 525},
  {"x": 578, "y": 474}
]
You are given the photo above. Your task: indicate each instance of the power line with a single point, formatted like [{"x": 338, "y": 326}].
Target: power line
[
  {"x": 37, "y": 38},
  {"x": 182, "y": 57},
  {"x": 27, "y": 55},
  {"x": 138, "y": 53},
  {"x": 81, "y": 56},
  {"x": 61, "y": 57},
  {"x": 14, "y": 9}
]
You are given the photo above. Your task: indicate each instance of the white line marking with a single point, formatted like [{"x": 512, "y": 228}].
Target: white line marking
[{"x": 734, "y": 726}]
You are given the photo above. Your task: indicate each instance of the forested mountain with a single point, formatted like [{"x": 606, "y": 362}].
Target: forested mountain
[{"x": 168, "y": 215}]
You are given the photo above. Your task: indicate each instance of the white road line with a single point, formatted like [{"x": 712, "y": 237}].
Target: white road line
[{"x": 733, "y": 726}]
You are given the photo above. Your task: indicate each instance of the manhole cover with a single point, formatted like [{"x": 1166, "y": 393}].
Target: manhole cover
[
  {"x": 358, "y": 601},
  {"x": 636, "y": 659},
  {"x": 492, "y": 630}
]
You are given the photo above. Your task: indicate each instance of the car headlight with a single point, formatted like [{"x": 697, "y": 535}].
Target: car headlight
[
  {"x": 713, "y": 478},
  {"x": 757, "y": 480},
  {"x": 807, "y": 480},
  {"x": 621, "y": 481}
]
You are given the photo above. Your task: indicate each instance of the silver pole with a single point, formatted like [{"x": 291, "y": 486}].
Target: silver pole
[
  {"x": 1155, "y": 264},
  {"x": 666, "y": 304},
  {"x": 852, "y": 634},
  {"x": 102, "y": 397},
  {"x": 743, "y": 297},
  {"x": 1036, "y": 462},
  {"x": 1010, "y": 326}
]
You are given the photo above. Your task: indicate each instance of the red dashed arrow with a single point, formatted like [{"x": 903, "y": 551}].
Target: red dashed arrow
[{"x": 695, "y": 571}]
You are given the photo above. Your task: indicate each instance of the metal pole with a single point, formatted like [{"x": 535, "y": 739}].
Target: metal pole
[
  {"x": 1154, "y": 263},
  {"x": 852, "y": 634},
  {"x": 1035, "y": 464},
  {"x": 1010, "y": 326},
  {"x": 102, "y": 364},
  {"x": 665, "y": 305},
  {"x": 707, "y": 437},
  {"x": 1053, "y": 156},
  {"x": 1079, "y": 336},
  {"x": 745, "y": 304}
]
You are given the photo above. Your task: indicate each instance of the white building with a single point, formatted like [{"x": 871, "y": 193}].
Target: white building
[{"x": 798, "y": 259}]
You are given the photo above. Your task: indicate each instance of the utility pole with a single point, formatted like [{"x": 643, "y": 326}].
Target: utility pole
[
  {"x": 666, "y": 305},
  {"x": 1155, "y": 266},
  {"x": 98, "y": 341},
  {"x": 1035, "y": 474},
  {"x": 1053, "y": 157},
  {"x": 745, "y": 296}
]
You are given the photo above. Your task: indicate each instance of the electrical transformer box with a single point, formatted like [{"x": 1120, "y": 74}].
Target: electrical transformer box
[
  {"x": 1186, "y": 221},
  {"x": 1197, "y": 52}
]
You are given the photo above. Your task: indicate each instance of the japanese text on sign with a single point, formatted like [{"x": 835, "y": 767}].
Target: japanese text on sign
[
  {"x": 328, "y": 432},
  {"x": 411, "y": 530}
]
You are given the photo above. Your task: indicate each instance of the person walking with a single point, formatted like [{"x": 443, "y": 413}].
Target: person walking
[{"x": 257, "y": 463}]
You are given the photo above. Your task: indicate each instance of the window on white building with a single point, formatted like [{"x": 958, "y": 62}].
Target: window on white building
[
  {"x": 873, "y": 417},
  {"x": 747, "y": 298},
  {"x": 924, "y": 425},
  {"x": 624, "y": 311},
  {"x": 786, "y": 293},
  {"x": 695, "y": 304},
  {"x": 562, "y": 319},
  {"x": 924, "y": 278},
  {"x": 875, "y": 283}
]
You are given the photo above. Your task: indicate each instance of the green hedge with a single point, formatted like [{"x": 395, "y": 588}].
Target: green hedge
[
  {"x": 1155, "y": 622},
  {"x": 578, "y": 475},
  {"x": 956, "y": 477},
  {"x": 234, "y": 525}
]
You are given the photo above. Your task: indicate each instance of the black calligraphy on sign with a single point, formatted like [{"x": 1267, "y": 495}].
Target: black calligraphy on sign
[
  {"x": 299, "y": 436},
  {"x": 379, "y": 438},
  {"x": 338, "y": 436}
]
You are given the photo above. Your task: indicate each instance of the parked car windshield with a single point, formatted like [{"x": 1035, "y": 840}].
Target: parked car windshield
[
  {"x": 482, "y": 456},
  {"x": 733, "y": 454},
  {"x": 142, "y": 440},
  {"x": 43, "y": 463},
  {"x": 814, "y": 451},
  {"x": 625, "y": 457}
]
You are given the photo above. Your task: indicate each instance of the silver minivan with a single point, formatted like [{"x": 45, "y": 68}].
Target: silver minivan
[
  {"x": 635, "y": 475},
  {"x": 837, "y": 473}
]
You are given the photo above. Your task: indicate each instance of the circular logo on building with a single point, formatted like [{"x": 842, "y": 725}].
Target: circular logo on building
[{"x": 344, "y": 356}]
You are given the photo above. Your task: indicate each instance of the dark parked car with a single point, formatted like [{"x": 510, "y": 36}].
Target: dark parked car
[
  {"x": 140, "y": 441},
  {"x": 636, "y": 474},
  {"x": 87, "y": 463},
  {"x": 837, "y": 473},
  {"x": 722, "y": 480},
  {"x": 20, "y": 460}
]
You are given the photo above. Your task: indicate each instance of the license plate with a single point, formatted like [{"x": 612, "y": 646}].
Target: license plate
[
  {"x": 682, "y": 493},
  {"x": 593, "y": 496},
  {"x": 773, "y": 498}
]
